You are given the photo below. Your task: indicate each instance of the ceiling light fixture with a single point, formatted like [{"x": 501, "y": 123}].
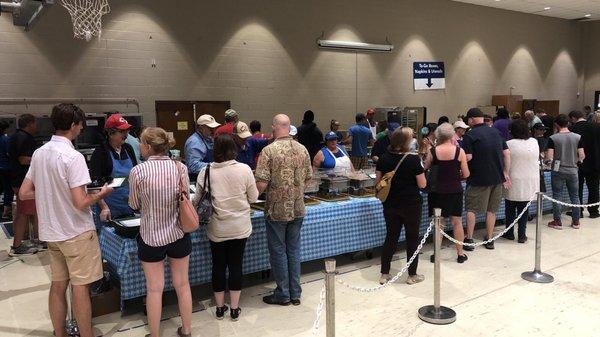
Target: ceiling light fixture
[
  {"x": 547, "y": 8},
  {"x": 348, "y": 45},
  {"x": 588, "y": 15}
]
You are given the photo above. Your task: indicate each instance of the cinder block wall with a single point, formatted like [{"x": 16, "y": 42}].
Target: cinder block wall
[{"x": 262, "y": 56}]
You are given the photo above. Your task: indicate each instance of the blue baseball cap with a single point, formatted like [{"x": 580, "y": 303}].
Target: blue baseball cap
[
  {"x": 393, "y": 126},
  {"x": 331, "y": 136}
]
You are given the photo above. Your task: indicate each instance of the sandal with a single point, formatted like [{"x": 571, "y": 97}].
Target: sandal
[{"x": 181, "y": 334}]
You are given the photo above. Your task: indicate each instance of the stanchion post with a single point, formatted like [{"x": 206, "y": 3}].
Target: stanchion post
[
  {"x": 537, "y": 275},
  {"x": 436, "y": 313},
  {"x": 330, "y": 297},
  {"x": 71, "y": 325}
]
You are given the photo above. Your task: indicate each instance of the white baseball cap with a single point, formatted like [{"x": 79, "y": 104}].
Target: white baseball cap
[
  {"x": 242, "y": 130},
  {"x": 208, "y": 120},
  {"x": 460, "y": 124}
]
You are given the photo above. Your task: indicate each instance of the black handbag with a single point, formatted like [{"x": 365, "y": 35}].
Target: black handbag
[
  {"x": 205, "y": 206},
  {"x": 432, "y": 174}
]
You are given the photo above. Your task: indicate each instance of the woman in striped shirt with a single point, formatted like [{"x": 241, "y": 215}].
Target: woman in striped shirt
[{"x": 154, "y": 188}]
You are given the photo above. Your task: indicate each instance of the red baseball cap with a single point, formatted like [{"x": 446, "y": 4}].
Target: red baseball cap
[
  {"x": 117, "y": 121},
  {"x": 371, "y": 111}
]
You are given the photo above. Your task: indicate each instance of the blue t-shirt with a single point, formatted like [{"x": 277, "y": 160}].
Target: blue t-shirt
[
  {"x": 249, "y": 154},
  {"x": 361, "y": 135}
]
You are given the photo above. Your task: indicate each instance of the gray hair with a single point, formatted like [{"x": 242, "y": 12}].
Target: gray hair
[{"x": 444, "y": 132}]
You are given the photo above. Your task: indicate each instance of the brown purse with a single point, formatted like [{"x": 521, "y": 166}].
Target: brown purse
[
  {"x": 383, "y": 186},
  {"x": 188, "y": 218}
]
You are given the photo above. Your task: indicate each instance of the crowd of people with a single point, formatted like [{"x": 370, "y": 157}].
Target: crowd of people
[{"x": 498, "y": 157}]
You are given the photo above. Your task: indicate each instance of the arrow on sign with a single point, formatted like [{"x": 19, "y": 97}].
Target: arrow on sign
[{"x": 429, "y": 83}]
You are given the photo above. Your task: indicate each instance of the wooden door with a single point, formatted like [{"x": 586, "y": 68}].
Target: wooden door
[
  {"x": 214, "y": 108},
  {"x": 176, "y": 117},
  {"x": 179, "y": 117}
]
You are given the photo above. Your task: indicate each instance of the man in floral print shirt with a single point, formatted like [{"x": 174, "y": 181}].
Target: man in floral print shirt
[{"x": 282, "y": 171}]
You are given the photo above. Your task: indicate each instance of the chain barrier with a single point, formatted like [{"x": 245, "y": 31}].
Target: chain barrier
[
  {"x": 319, "y": 309},
  {"x": 400, "y": 273},
  {"x": 566, "y": 204},
  {"x": 495, "y": 237}
]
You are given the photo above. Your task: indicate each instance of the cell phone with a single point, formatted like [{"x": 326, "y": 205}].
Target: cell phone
[
  {"x": 97, "y": 184},
  {"x": 117, "y": 182}
]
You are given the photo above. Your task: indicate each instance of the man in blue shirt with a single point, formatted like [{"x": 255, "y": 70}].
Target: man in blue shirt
[
  {"x": 198, "y": 149},
  {"x": 248, "y": 147},
  {"x": 361, "y": 137}
]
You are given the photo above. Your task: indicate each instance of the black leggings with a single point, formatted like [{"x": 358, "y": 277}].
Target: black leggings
[
  {"x": 408, "y": 216},
  {"x": 227, "y": 255}
]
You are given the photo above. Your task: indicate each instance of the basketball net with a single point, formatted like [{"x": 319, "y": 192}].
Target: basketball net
[{"x": 86, "y": 16}]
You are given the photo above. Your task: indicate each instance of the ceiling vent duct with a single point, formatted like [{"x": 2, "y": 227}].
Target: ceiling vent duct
[{"x": 25, "y": 12}]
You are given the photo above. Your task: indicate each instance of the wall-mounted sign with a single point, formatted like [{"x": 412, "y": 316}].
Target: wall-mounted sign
[
  {"x": 429, "y": 75},
  {"x": 182, "y": 126}
]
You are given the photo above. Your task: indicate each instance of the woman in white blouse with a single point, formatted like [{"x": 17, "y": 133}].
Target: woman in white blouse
[
  {"x": 154, "y": 188},
  {"x": 230, "y": 224},
  {"x": 524, "y": 177}
]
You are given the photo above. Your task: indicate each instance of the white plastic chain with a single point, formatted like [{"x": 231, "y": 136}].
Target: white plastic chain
[
  {"x": 495, "y": 237},
  {"x": 570, "y": 205},
  {"x": 319, "y": 309},
  {"x": 395, "y": 278}
]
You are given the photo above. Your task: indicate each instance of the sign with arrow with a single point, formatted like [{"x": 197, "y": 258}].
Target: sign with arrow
[{"x": 429, "y": 75}]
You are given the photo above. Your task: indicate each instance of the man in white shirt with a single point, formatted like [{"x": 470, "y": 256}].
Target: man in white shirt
[{"x": 57, "y": 179}]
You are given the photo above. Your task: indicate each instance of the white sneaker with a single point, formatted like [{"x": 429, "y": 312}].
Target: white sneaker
[
  {"x": 384, "y": 278},
  {"x": 412, "y": 279}
]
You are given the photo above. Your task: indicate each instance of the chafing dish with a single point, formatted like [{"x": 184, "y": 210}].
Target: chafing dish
[{"x": 127, "y": 227}]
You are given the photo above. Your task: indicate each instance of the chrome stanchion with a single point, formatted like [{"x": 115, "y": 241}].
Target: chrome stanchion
[
  {"x": 71, "y": 325},
  {"x": 536, "y": 275},
  {"x": 330, "y": 297},
  {"x": 437, "y": 314}
]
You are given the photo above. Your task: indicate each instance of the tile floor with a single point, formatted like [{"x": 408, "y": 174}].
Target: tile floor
[{"x": 487, "y": 293}]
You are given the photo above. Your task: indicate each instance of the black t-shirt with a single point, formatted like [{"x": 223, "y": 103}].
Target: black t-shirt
[
  {"x": 486, "y": 145},
  {"x": 590, "y": 136},
  {"x": 542, "y": 143},
  {"x": 21, "y": 144},
  {"x": 380, "y": 147},
  {"x": 404, "y": 189},
  {"x": 548, "y": 122}
]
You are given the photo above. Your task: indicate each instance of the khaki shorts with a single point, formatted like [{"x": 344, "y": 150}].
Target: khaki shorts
[
  {"x": 77, "y": 259},
  {"x": 479, "y": 199}
]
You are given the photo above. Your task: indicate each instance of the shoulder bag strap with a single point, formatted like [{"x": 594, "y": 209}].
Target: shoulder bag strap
[
  {"x": 457, "y": 153},
  {"x": 182, "y": 188},
  {"x": 400, "y": 163},
  {"x": 207, "y": 179}
]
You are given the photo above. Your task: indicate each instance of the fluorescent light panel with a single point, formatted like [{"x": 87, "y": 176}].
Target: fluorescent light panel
[{"x": 348, "y": 45}]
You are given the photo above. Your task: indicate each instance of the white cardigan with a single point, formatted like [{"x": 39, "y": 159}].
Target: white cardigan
[
  {"x": 233, "y": 188},
  {"x": 524, "y": 169}
]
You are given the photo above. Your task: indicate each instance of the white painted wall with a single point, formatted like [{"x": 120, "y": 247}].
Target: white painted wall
[{"x": 262, "y": 56}]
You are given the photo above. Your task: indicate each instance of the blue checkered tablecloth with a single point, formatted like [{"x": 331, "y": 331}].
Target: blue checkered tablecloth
[{"x": 329, "y": 229}]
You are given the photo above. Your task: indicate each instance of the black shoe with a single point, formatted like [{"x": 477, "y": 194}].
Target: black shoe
[
  {"x": 461, "y": 258},
  {"x": 22, "y": 250},
  {"x": 181, "y": 334},
  {"x": 508, "y": 236},
  {"x": 594, "y": 215},
  {"x": 469, "y": 248},
  {"x": 272, "y": 300},
  {"x": 221, "y": 312},
  {"x": 523, "y": 239},
  {"x": 235, "y": 314},
  {"x": 488, "y": 245},
  {"x": 295, "y": 302},
  {"x": 432, "y": 258}
]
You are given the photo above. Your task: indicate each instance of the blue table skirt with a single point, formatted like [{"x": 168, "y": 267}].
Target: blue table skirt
[{"x": 329, "y": 229}]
